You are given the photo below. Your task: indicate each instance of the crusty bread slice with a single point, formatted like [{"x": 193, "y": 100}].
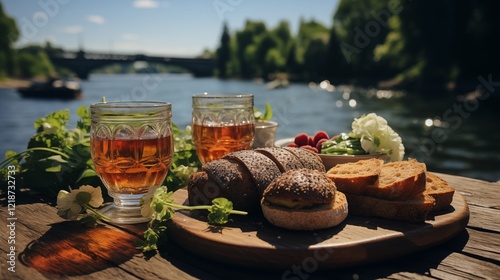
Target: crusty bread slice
[
  {"x": 411, "y": 210},
  {"x": 440, "y": 190},
  {"x": 399, "y": 180},
  {"x": 308, "y": 158},
  {"x": 283, "y": 158},
  {"x": 354, "y": 177},
  {"x": 326, "y": 216},
  {"x": 262, "y": 168}
]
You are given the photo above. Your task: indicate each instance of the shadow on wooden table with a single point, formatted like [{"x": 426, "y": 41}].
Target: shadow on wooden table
[{"x": 71, "y": 249}]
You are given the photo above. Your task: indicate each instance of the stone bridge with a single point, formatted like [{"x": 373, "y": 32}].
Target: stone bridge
[{"x": 82, "y": 63}]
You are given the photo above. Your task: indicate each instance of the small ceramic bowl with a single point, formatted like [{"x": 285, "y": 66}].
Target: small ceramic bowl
[{"x": 331, "y": 160}]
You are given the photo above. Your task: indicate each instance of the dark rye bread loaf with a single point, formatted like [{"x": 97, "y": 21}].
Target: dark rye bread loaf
[
  {"x": 284, "y": 159},
  {"x": 225, "y": 179},
  {"x": 243, "y": 176},
  {"x": 308, "y": 158},
  {"x": 262, "y": 168}
]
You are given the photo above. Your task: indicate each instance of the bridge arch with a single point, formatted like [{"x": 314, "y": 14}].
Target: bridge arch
[{"x": 83, "y": 63}]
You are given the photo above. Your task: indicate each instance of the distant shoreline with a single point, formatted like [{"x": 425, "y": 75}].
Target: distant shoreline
[{"x": 10, "y": 83}]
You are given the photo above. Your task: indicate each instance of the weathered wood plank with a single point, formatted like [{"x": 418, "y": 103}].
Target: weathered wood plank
[
  {"x": 51, "y": 248},
  {"x": 484, "y": 218},
  {"x": 476, "y": 192}
]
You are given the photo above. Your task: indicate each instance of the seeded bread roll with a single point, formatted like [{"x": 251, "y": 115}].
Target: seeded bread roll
[
  {"x": 354, "y": 177},
  {"x": 303, "y": 199},
  {"x": 301, "y": 188},
  {"x": 262, "y": 168},
  {"x": 308, "y": 158},
  {"x": 284, "y": 159}
]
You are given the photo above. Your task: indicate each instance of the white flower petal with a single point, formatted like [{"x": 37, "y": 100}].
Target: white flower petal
[{"x": 64, "y": 200}]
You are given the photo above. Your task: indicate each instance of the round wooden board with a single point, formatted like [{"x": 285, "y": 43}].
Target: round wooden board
[{"x": 253, "y": 242}]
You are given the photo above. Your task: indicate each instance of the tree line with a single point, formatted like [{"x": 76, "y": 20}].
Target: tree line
[
  {"x": 410, "y": 43},
  {"x": 26, "y": 62}
]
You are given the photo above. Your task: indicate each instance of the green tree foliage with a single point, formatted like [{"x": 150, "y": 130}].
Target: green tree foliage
[
  {"x": 223, "y": 53},
  {"x": 257, "y": 51},
  {"x": 442, "y": 41},
  {"x": 8, "y": 35},
  {"x": 33, "y": 61},
  {"x": 360, "y": 26}
]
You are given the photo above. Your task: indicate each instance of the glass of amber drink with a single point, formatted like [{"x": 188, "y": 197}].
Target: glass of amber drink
[
  {"x": 222, "y": 123},
  {"x": 131, "y": 145}
]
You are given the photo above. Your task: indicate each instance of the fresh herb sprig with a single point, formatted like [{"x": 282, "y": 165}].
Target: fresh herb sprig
[
  {"x": 160, "y": 206},
  {"x": 56, "y": 157}
]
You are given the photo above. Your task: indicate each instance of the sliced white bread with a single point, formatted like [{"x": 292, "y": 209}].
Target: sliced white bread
[
  {"x": 440, "y": 190},
  {"x": 411, "y": 210},
  {"x": 399, "y": 180},
  {"x": 354, "y": 177}
]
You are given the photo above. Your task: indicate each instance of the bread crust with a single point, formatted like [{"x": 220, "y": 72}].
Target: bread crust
[
  {"x": 440, "y": 190},
  {"x": 284, "y": 159},
  {"x": 326, "y": 216},
  {"x": 226, "y": 179},
  {"x": 301, "y": 185},
  {"x": 308, "y": 158},
  {"x": 399, "y": 180},
  {"x": 262, "y": 168},
  {"x": 354, "y": 177},
  {"x": 412, "y": 210}
]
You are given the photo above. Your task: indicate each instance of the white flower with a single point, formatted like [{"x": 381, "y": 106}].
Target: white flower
[
  {"x": 95, "y": 199},
  {"x": 66, "y": 205},
  {"x": 71, "y": 204},
  {"x": 377, "y": 137},
  {"x": 47, "y": 128}
]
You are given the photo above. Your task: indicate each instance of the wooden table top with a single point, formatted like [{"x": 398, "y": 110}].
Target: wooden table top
[{"x": 48, "y": 247}]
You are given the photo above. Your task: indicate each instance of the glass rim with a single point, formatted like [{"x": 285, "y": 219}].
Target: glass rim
[
  {"x": 131, "y": 104},
  {"x": 222, "y": 95}
]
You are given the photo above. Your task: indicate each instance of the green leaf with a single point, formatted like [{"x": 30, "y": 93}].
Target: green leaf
[
  {"x": 56, "y": 168},
  {"x": 268, "y": 115}
]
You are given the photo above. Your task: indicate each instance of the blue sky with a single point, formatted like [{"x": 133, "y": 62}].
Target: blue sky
[{"x": 154, "y": 27}]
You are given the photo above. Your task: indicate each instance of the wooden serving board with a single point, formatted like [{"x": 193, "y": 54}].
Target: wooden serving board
[{"x": 253, "y": 242}]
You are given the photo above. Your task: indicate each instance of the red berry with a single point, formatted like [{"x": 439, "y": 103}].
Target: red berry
[
  {"x": 293, "y": 145},
  {"x": 320, "y": 143},
  {"x": 320, "y": 135},
  {"x": 301, "y": 139},
  {"x": 310, "y": 148},
  {"x": 311, "y": 141}
]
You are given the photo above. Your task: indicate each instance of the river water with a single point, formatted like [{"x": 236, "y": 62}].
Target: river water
[{"x": 450, "y": 135}]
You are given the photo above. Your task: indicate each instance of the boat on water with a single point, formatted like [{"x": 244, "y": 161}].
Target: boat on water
[
  {"x": 278, "y": 83},
  {"x": 54, "y": 88}
]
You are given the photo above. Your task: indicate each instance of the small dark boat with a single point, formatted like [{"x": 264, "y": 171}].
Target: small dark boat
[{"x": 54, "y": 88}]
